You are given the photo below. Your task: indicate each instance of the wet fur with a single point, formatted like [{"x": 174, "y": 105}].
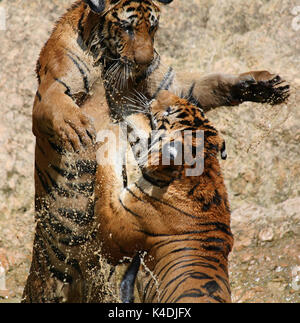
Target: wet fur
[
  {"x": 181, "y": 222},
  {"x": 77, "y": 65}
]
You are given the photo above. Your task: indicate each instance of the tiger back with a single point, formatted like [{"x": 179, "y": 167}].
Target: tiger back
[{"x": 181, "y": 221}]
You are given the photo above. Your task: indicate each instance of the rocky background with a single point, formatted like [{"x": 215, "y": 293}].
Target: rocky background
[{"x": 263, "y": 169}]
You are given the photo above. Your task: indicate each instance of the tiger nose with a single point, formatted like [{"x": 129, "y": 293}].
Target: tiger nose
[
  {"x": 143, "y": 50},
  {"x": 144, "y": 56}
]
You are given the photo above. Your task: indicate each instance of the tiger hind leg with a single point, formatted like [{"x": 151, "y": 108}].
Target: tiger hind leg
[
  {"x": 65, "y": 249},
  {"x": 45, "y": 283}
]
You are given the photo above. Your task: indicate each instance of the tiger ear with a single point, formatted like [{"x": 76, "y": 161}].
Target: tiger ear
[
  {"x": 165, "y": 1},
  {"x": 96, "y": 5}
]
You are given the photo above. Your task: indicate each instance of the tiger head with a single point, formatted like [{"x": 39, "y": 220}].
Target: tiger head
[
  {"x": 181, "y": 135},
  {"x": 127, "y": 29}
]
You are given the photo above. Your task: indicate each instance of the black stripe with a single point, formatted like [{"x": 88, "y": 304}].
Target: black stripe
[
  {"x": 189, "y": 260},
  {"x": 192, "y": 191},
  {"x": 44, "y": 182},
  {"x": 197, "y": 293},
  {"x": 80, "y": 167},
  {"x": 124, "y": 176},
  {"x": 210, "y": 127},
  {"x": 86, "y": 189},
  {"x": 224, "y": 269},
  {"x": 225, "y": 282},
  {"x": 184, "y": 241},
  {"x": 82, "y": 72},
  {"x": 192, "y": 265},
  {"x": 214, "y": 248},
  {"x": 56, "y": 225},
  {"x": 135, "y": 196},
  {"x": 165, "y": 83},
  {"x": 38, "y": 94},
  {"x": 155, "y": 235},
  {"x": 45, "y": 215},
  {"x": 60, "y": 150},
  {"x": 208, "y": 133},
  {"x": 198, "y": 122},
  {"x": 178, "y": 262},
  {"x": 157, "y": 275},
  {"x": 68, "y": 90},
  {"x": 185, "y": 123},
  {"x": 167, "y": 204},
  {"x": 128, "y": 210},
  {"x": 79, "y": 217},
  {"x": 61, "y": 257},
  {"x": 40, "y": 147},
  {"x": 191, "y": 90},
  {"x": 80, "y": 60},
  {"x": 58, "y": 189},
  {"x": 217, "y": 199},
  {"x": 220, "y": 226},
  {"x": 77, "y": 240},
  {"x": 212, "y": 287},
  {"x": 191, "y": 98},
  {"x": 84, "y": 166},
  {"x": 80, "y": 26},
  {"x": 157, "y": 182},
  {"x": 182, "y": 115},
  {"x": 38, "y": 69},
  {"x": 45, "y": 258},
  {"x": 190, "y": 274},
  {"x": 206, "y": 206},
  {"x": 64, "y": 173},
  {"x": 63, "y": 277}
]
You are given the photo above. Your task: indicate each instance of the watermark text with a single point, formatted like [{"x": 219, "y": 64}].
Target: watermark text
[{"x": 184, "y": 148}]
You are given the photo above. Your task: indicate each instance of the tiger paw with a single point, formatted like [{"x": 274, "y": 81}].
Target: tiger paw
[
  {"x": 66, "y": 130},
  {"x": 261, "y": 87}
]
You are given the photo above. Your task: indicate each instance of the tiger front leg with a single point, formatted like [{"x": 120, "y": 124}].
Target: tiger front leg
[
  {"x": 58, "y": 119},
  {"x": 261, "y": 87},
  {"x": 65, "y": 166},
  {"x": 215, "y": 90}
]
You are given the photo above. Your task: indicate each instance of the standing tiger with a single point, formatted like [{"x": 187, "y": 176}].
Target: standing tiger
[{"x": 103, "y": 48}]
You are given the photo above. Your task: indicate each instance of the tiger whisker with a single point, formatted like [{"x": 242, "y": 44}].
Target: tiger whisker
[
  {"x": 140, "y": 100},
  {"x": 112, "y": 68},
  {"x": 140, "y": 96},
  {"x": 133, "y": 108},
  {"x": 136, "y": 102},
  {"x": 127, "y": 74},
  {"x": 118, "y": 84},
  {"x": 112, "y": 74},
  {"x": 124, "y": 77},
  {"x": 137, "y": 105},
  {"x": 111, "y": 58}
]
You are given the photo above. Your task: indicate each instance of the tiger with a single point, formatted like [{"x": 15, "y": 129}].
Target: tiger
[
  {"x": 176, "y": 210},
  {"x": 100, "y": 50}
]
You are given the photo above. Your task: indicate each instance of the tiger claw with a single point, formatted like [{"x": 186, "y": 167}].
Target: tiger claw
[
  {"x": 261, "y": 91},
  {"x": 276, "y": 80}
]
